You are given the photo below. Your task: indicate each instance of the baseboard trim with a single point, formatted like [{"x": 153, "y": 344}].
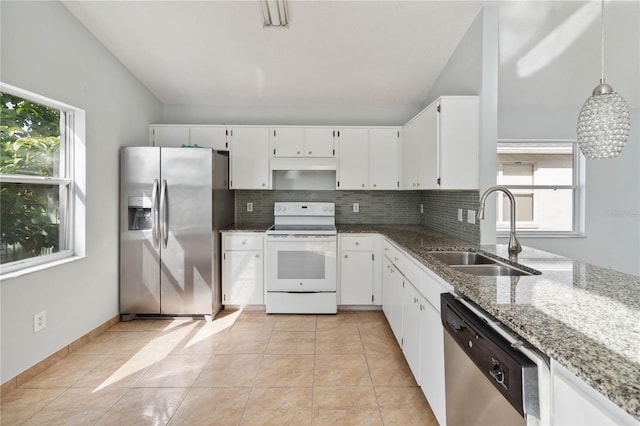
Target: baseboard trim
[{"x": 17, "y": 381}]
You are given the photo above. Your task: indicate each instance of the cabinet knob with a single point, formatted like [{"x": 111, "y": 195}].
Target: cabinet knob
[
  {"x": 346, "y": 256},
  {"x": 374, "y": 185},
  {"x": 244, "y": 242},
  {"x": 264, "y": 185},
  {"x": 298, "y": 152},
  {"x": 357, "y": 243},
  {"x": 310, "y": 152},
  {"x": 257, "y": 256},
  {"x": 363, "y": 185}
]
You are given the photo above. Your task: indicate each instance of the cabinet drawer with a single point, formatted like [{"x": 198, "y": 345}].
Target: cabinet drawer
[
  {"x": 360, "y": 243},
  {"x": 243, "y": 242},
  {"x": 393, "y": 253},
  {"x": 432, "y": 286}
]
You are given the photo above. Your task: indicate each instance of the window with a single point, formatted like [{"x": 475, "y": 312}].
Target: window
[
  {"x": 36, "y": 179},
  {"x": 545, "y": 178}
]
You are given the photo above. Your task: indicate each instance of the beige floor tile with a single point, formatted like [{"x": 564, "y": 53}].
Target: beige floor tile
[
  {"x": 330, "y": 322},
  {"x": 145, "y": 406},
  {"x": 344, "y": 339},
  {"x": 201, "y": 342},
  {"x": 21, "y": 404},
  {"x": 66, "y": 372},
  {"x": 117, "y": 342},
  {"x": 390, "y": 370},
  {"x": 174, "y": 371},
  {"x": 115, "y": 370},
  {"x": 292, "y": 342},
  {"x": 345, "y": 406},
  {"x": 295, "y": 323},
  {"x": 370, "y": 317},
  {"x": 236, "y": 370},
  {"x": 341, "y": 370},
  {"x": 244, "y": 341},
  {"x": 378, "y": 339},
  {"x": 279, "y": 406},
  {"x": 79, "y": 406},
  {"x": 210, "y": 406},
  {"x": 404, "y": 406},
  {"x": 286, "y": 371}
]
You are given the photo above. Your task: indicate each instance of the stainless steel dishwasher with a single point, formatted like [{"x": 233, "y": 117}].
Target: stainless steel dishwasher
[{"x": 489, "y": 379}]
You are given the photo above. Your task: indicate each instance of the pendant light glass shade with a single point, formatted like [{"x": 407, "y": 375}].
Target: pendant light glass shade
[
  {"x": 603, "y": 126},
  {"x": 604, "y": 120}
]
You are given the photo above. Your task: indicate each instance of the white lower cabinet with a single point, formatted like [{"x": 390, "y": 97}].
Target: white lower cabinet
[
  {"x": 242, "y": 269},
  {"x": 411, "y": 303},
  {"x": 356, "y": 270},
  {"x": 412, "y": 319},
  {"x": 573, "y": 402}
]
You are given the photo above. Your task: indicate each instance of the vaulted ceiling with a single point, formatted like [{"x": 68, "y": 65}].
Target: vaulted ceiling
[{"x": 377, "y": 53}]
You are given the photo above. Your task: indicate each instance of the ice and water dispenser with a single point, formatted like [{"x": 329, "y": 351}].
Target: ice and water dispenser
[{"x": 139, "y": 213}]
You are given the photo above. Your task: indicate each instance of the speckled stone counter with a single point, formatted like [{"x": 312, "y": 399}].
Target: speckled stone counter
[
  {"x": 585, "y": 317},
  {"x": 247, "y": 227}
]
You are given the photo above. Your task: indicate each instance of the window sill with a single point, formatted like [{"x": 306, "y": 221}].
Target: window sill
[
  {"x": 37, "y": 268},
  {"x": 541, "y": 234}
]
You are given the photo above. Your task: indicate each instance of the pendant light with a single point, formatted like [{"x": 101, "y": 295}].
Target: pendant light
[{"x": 604, "y": 121}]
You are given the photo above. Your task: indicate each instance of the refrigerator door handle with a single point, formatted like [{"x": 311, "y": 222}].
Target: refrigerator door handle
[
  {"x": 164, "y": 214},
  {"x": 155, "y": 232}
]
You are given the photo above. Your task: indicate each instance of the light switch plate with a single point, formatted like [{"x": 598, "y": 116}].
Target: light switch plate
[
  {"x": 459, "y": 215},
  {"x": 471, "y": 216},
  {"x": 422, "y": 208},
  {"x": 249, "y": 207},
  {"x": 356, "y": 207}
]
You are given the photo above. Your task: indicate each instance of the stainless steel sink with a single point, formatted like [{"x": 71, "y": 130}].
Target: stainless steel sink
[
  {"x": 496, "y": 270},
  {"x": 474, "y": 263},
  {"x": 462, "y": 258}
]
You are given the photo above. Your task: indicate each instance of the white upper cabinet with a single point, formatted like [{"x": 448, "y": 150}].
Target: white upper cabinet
[
  {"x": 368, "y": 158},
  {"x": 206, "y": 136},
  {"x": 440, "y": 145},
  {"x": 384, "y": 147},
  {"x": 171, "y": 136},
  {"x": 319, "y": 142},
  {"x": 215, "y": 137},
  {"x": 353, "y": 159},
  {"x": 249, "y": 158},
  {"x": 302, "y": 142}
]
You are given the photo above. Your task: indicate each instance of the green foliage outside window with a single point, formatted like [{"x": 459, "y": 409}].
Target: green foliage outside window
[{"x": 29, "y": 146}]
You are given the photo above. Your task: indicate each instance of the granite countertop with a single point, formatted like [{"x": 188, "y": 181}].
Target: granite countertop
[
  {"x": 583, "y": 316},
  {"x": 247, "y": 227}
]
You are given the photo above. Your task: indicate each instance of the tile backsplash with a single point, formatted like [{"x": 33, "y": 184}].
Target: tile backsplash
[{"x": 376, "y": 207}]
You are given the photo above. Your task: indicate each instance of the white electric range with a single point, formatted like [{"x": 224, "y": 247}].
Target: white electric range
[{"x": 301, "y": 259}]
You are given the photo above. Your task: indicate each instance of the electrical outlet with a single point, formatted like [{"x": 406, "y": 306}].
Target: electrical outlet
[
  {"x": 459, "y": 215},
  {"x": 356, "y": 207},
  {"x": 39, "y": 321},
  {"x": 422, "y": 208},
  {"x": 249, "y": 207},
  {"x": 471, "y": 216}
]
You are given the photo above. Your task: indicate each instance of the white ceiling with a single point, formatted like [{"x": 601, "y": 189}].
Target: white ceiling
[{"x": 376, "y": 53}]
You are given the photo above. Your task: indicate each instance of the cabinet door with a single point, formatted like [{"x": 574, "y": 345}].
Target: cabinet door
[
  {"x": 175, "y": 136},
  {"x": 383, "y": 158},
  {"x": 410, "y": 155},
  {"x": 427, "y": 148},
  {"x": 459, "y": 140},
  {"x": 287, "y": 141},
  {"x": 432, "y": 360},
  {"x": 318, "y": 142},
  {"x": 356, "y": 278},
  {"x": 210, "y": 137},
  {"x": 353, "y": 159},
  {"x": 397, "y": 303},
  {"x": 411, "y": 318},
  {"x": 388, "y": 272},
  {"x": 249, "y": 158},
  {"x": 242, "y": 278}
]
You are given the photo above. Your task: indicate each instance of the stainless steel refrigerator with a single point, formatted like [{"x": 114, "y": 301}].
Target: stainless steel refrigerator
[{"x": 173, "y": 201}]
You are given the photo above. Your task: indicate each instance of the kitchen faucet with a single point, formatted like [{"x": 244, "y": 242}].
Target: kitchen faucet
[{"x": 514, "y": 244}]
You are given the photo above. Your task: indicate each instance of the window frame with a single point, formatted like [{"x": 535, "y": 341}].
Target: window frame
[
  {"x": 578, "y": 188},
  {"x": 71, "y": 225}
]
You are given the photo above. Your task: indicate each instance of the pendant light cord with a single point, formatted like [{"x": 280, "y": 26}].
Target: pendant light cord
[{"x": 602, "y": 44}]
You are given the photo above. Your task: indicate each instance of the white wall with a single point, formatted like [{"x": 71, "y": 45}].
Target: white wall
[
  {"x": 46, "y": 51},
  {"x": 473, "y": 70},
  {"x": 612, "y": 211}
]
